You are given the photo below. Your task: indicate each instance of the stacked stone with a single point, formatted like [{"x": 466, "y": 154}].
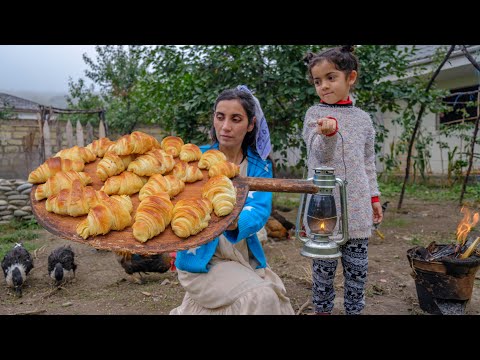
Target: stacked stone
[{"x": 15, "y": 200}]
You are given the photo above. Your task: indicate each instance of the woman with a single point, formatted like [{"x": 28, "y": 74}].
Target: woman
[{"x": 229, "y": 275}]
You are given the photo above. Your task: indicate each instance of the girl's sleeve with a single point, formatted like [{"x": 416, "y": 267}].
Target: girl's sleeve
[
  {"x": 370, "y": 168},
  {"x": 320, "y": 148},
  {"x": 256, "y": 210}
]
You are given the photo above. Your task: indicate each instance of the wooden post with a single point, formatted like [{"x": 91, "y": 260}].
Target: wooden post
[
  {"x": 89, "y": 133},
  {"x": 69, "y": 134},
  {"x": 58, "y": 137},
  {"x": 101, "y": 130},
  {"x": 41, "y": 145},
  {"x": 46, "y": 139},
  {"x": 80, "y": 140}
]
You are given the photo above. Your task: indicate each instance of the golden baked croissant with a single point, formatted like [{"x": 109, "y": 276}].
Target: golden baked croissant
[
  {"x": 112, "y": 164},
  {"x": 187, "y": 173},
  {"x": 190, "y": 216},
  {"x": 75, "y": 201},
  {"x": 159, "y": 183},
  {"x": 190, "y": 152},
  {"x": 127, "y": 183},
  {"x": 211, "y": 157},
  {"x": 135, "y": 143},
  {"x": 99, "y": 147},
  {"x": 61, "y": 180},
  {"x": 77, "y": 153},
  {"x": 111, "y": 214},
  {"x": 221, "y": 192},
  {"x": 155, "y": 161},
  {"x": 152, "y": 217},
  {"x": 52, "y": 166},
  {"x": 226, "y": 168},
  {"x": 172, "y": 145}
]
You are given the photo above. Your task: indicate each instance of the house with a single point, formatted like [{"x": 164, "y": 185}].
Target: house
[
  {"x": 461, "y": 79},
  {"x": 21, "y": 109}
]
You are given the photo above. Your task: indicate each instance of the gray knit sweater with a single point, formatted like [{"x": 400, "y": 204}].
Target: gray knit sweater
[{"x": 356, "y": 128}]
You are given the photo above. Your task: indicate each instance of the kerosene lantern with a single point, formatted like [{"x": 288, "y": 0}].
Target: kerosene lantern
[{"x": 321, "y": 242}]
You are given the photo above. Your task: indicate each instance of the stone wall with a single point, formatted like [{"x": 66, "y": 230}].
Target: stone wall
[
  {"x": 19, "y": 144},
  {"x": 15, "y": 200}
]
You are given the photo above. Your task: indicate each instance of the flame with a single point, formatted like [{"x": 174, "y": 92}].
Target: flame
[
  {"x": 322, "y": 226},
  {"x": 467, "y": 223}
]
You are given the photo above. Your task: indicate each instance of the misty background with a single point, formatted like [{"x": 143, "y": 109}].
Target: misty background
[{"x": 40, "y": 72}]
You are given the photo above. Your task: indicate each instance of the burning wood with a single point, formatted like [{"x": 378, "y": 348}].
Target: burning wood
[{"x": 467, "y": 223}]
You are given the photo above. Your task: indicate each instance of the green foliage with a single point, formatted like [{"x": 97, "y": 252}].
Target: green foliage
[
  {"x": 116, "y": 71},
  {"x": 17, "y": 232}
]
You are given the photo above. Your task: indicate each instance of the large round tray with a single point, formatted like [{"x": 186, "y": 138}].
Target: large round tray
[{"x": 65, "y": 226}]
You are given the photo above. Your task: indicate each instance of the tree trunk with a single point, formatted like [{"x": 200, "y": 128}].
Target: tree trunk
[{"x": 417, "y": 126}]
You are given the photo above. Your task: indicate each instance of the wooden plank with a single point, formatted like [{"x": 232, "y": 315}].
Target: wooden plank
[
  {"x": 69, "y": 134},
  {"x": 80, "y": 139}
]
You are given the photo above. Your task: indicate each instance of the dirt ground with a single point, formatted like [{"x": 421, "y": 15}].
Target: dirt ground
[{"x": 102, "y": 287}]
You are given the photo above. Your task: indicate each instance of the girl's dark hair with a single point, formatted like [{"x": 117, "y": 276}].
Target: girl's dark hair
[
  {"x": 342, "y": 57},
  {"x": 248, "y": 104}
]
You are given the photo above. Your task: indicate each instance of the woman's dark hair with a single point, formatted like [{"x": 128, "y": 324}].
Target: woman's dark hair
[
  {"x": 248, "y": 104},
  {"x": 342, "y": 57}
]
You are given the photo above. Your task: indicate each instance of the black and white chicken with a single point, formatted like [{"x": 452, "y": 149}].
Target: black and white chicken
[
  {"x": 61, "y": 264},
  {"x": 134, "y": 263},
  {"x": 16, "y": 265}
]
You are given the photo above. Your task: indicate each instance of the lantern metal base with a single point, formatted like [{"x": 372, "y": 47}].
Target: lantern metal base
[{"x": 318, "y": 249}]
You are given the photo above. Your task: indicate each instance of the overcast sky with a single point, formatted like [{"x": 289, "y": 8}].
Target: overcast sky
[{"x": 41, "y": 67}]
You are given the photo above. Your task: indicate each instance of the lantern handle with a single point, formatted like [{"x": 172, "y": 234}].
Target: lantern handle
[{"x": 343, "y": 201}]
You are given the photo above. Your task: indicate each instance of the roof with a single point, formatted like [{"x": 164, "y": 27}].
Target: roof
[
  {"x": 424, "y": 53},
  {"x": 17, "y": 103}
]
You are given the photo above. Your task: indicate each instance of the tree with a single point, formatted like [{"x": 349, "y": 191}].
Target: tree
[{"x": 116, "y": 70}]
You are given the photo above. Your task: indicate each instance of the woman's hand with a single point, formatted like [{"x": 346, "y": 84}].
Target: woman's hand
[
  {"x": 327, "y": 126},
  {"x": 233, "y": 225},
  {"x": 377, "y": 212}
]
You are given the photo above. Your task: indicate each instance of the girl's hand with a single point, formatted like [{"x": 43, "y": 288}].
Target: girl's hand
[
  {"x": 377, "y": 212},
  {"x": 327, "y": 126}
]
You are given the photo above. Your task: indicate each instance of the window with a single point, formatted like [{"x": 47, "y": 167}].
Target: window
[{"x": 464, "y": 105}]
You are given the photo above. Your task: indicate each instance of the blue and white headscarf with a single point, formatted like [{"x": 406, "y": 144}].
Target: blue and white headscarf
[{"x": 263, "y": 135}]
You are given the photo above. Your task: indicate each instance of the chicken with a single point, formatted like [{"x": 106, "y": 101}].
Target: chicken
[
  {"x": 134, "y": 263},
  {"x": 61, "y": 264},
  {"x": 16, "y": 265},
  {"x": 275, "y": 229}
]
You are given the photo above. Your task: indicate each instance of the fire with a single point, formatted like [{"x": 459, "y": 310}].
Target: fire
[
  {"x": 322, "y": 226},
  {"x": 467, "y": 223}
]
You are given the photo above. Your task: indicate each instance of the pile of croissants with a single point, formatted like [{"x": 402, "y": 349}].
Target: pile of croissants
[{"x": 137, "y": 163}]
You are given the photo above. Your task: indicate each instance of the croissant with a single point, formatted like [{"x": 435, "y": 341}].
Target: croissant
[
  {"x": 152, "y": 217},
  {"x": 211, "y": 157},
  {"x": 99, "y": 147},
  {"x": 51, "y": 167},
  {"x": 190, "y": 152},
  {"x": 190, "y": 216},
  {"x": 187, "y": 173},
  {"x": 153, "y": 162},
  {"x": 78, "y": 154},
  {"x": 135, "y": 143},
  {"x": 112, "y": 164},
  {"x": 221, "y": 192},
  {"x": 159, "y": 183},
  {"x": 127, "y": 183},
  {"x": 111, "y": 214},
  {"x": 75, "y": 201},
  {"x": 226, "y": 168},
  {"x": 61, "y": 180},
  {"x": 172, "y": 145}
]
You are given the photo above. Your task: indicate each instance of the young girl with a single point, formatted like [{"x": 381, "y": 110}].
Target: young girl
[{"x": 335, "y": 132}]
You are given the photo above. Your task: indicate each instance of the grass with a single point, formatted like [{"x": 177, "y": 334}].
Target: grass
[
  {"x": 430, "y": 192},
  {"x": 288, "y": 200},
  {"x": 16, "y": 232}
]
